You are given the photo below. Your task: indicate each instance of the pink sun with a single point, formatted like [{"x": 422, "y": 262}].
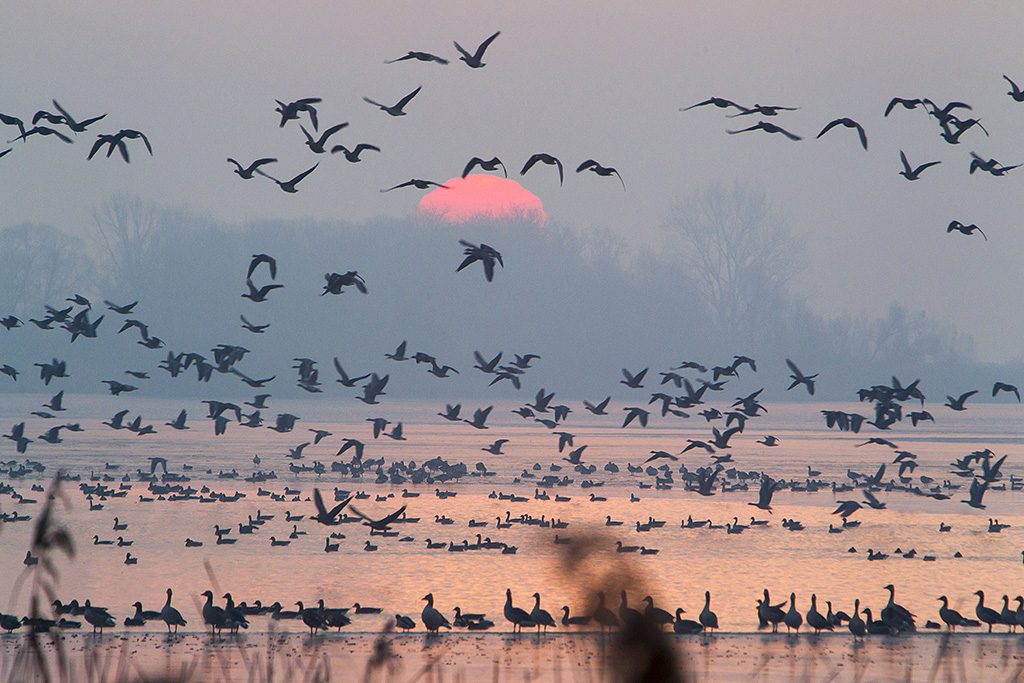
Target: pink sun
[{"x": 482, "y": 197}]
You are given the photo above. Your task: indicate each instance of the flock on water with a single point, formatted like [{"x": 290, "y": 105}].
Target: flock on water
[{"x": 690, "y": 392}]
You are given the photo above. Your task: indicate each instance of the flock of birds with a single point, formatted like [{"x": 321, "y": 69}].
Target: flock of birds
[
  {"x": 681, "y": 392},
  {"x": 894, "y": 619}
]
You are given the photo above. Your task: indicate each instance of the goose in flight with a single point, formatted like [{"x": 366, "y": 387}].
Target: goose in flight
[
  {"x": 486, "y": 164},
  {"x": 913, "y": 173},
  {"x": 543, "y": 158},
  {"x": 634, "y": 413},
  {"x": 603, "y": 171},
  {"x": 965, "y": 229},
  {"x": 291, "y": 110},
  {"x": 290, "y": 186},
  {"x": 258, "y": 295},
  {"x": 484, "y": 253},
  {"x": 316, "y": 145},
  {"x": 45, "y": 131},
  {"x": 474, "y": 61},
  {"x": 1015, "y": 92},
  {"x": 977, "y": 493},
  {"x": 633, "y": 381},
  {"x": 382, "y": 524},
  {"x": 719, "y": 102},
  {"x": 598, "y": 408},
  {"x": 325, "y": 516},
  {"x": 337, "y": 281},
  {"x": 480, "y": 417},
  {"x": 255, "y": 329},
  {"x": 419, "y": 56},
  {"x": 398, "y": 354},
  {"x": 396, "y": 109},
  {"x": 996, "y": 388},
  {"x": 247, "y": 172},
  {"x": 958, "y": 402},
  {"x": 800, "y": 378},
  {"x": 495, "y": 448},
  {"x": 989, "y": 166},
  {"x": 352, "y": 155},
  {"x": 767, "y": 127},
  {"x": 848, "y": 123},
  {"x": 764, "y": 497},
  {"x": 912, "y": 103},
  {"x": 418, "y": 183},
  {"x": 67, "y": 119},
  {"x": 343, "y": 377},
  {"x": 9, "y": 120},
  {"x": 763, "y": 110}
]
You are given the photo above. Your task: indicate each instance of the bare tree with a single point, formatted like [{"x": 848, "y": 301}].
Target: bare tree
[
  {"x": 41, "y": 265},
  {"x": 738, "y": 254},
  {"x": 128, "y": 227}
]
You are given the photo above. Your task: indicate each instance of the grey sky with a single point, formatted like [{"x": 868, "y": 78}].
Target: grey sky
[{"x": 576, "y": 79}]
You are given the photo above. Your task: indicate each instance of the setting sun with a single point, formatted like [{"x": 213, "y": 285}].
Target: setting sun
[{"x": 482, "y": 196}]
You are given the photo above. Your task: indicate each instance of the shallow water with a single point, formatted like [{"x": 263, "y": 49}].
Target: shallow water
[{"x": 735, "y": 568}]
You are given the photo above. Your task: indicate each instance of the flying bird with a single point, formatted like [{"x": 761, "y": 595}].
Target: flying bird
[
  {"x": 487, "y": 165},
  {"x": 905, "y": 103},
  {"x": 767, "y": 127},
  {"x": 484, "y": 253},
  {"x": 247, "y": 172},
  {"x": 395, "y": 109},
  {"x": 849, "y": 123},
  {"x": 291, "y": 110},
  {"x": 964, "y": 229},
  {"x": 1008, "y": 388},
  {"x": 325, "y": 516},
  {"x": 1015, "y": 92},
  {"x": 418, "y": 184},
  {"x": 419, "y": 56},
  {"x": 352, "y": 155},
  {"x": 958, "y": 402},
  {"x": 258, "y": 259},
  {"x": 289, "y": 186},
  {"x": 316, "y": 145},
  {"x": 800, "y": 378},
  {"x": 603, "y": 171},
  {"x": 258, "y": 295},
  {"x": 474, "y": 60},
  {"x": 719, "y": 102},
  {"x": 542, "y": 158},
  {"x": 913, "y": 173}
]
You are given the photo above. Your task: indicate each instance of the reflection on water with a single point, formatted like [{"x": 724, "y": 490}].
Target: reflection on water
[{"x": 735, "y": 568}]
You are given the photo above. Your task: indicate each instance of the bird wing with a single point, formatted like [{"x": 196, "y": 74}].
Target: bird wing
[
  {"x": 829, "y": 126},
  {"x": 331, "y": 131},
  {"x": 794, "y": 368},
  {"x": 589, "y": 163},
  {"x": 469, "y": 167},
  {"x": 298, "y": 178},
  {"x": 408, "y": 98},
  {"x": 484, "y": 45}
]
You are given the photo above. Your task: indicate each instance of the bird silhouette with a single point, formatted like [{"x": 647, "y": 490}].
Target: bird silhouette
[
  {"x": 541, "y": 158},
  {"x": 767, "y": 127},
  {"x": 396, "y": 109},
  {"x": 913, "y": 173},
  {"x": 603, "y": 171},
  {"x": 474, "y": 60}
]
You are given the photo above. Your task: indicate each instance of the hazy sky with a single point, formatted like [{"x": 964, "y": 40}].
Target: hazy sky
[{"x": 578, "y": 80}]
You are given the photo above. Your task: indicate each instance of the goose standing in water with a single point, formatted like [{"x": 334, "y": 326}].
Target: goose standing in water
[
  {"x": 856, "y": 623},
  {"x": 951, "y": 617},
  {"x": 896, "y": 615},
  {"x": 1007, "y": 616},
  {"x": 986, "y": 615},
  {"x": 518, "y": 617},
  {"x": 627, "y": 614},
  {"x": 171, "y": 616},
  {"x": 99, "y": 618},
  {"x": 583, "y": 620},
  {"x": 708, "y": 619},
  {"x": 213, "y": 616},
  {"x": 432, "y": 619},
  {"x": 814, "y": 618},
  {"x": 769, "y": 614},
  {"x": 540, "y": 617},
  {"x": 604, "y": 616},
  {"x": 685, "y": 627},
  {"x": 793, "y": 620},
  {"x": 878, "y": 628},
  {"x": 404, "y": 623}
]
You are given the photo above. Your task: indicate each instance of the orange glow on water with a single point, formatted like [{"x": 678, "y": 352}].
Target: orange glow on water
[{"x": 482, "y": 196}]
